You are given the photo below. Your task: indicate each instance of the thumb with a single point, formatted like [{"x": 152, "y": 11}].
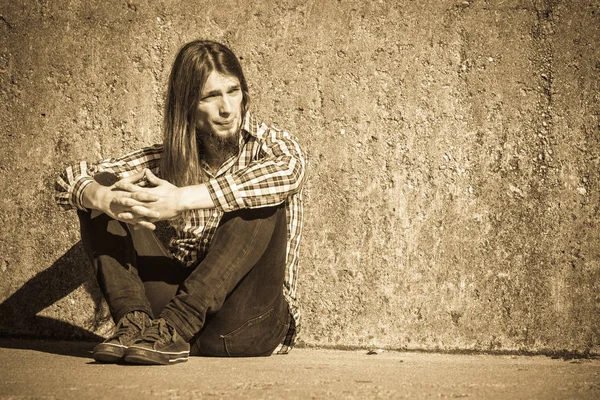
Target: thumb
[
  {"x": 133, "y": 178},
  {"x": 153, "y": 179}
]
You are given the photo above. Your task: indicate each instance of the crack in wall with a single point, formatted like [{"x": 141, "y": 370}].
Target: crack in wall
[
  {"x": 542, "y": 34},
  {"x": 6, "y": 22}
]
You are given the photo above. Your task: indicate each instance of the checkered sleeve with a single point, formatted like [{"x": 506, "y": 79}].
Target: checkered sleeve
[
  {"x": 277, "y": 173},
  {"x": 71, "y": 183}
]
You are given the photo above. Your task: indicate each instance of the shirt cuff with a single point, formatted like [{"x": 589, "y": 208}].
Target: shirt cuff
[
  {"x": 225, "y": 193},
  {"x": 78, "y": 189}
]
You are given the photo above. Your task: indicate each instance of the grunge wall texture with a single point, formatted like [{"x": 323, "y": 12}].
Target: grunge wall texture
[{"x": 453, "y": 193}]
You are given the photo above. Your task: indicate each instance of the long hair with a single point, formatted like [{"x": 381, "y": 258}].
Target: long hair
[{"x": 180, "y": 160}]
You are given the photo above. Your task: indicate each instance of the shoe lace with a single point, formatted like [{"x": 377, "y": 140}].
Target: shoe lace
[
  {"x": 160, "y": 331},
  {"x": 128, "y": 326}
]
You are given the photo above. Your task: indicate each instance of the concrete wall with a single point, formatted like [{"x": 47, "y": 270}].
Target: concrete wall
[{"x": 454, "y": 149}]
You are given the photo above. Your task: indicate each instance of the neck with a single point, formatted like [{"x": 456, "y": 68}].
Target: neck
[
  {"x": 215, "y": 151},
  {"x": 214, "y": 160}
]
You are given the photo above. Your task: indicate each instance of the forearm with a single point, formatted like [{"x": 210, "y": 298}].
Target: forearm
[
  {"x": 73, "y": 181},
  {"x": 277, "y": 172},
  {"x": 263, "y": 183},
  {"x": 195, "y": 197},
  {"x": 94, "y": 196},
  {"x": 129, "y": 207}
]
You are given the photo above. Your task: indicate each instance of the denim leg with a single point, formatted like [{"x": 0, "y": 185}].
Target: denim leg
[
  {"x": 133, "y": 269},
  {"x": 232, "y": 303}
]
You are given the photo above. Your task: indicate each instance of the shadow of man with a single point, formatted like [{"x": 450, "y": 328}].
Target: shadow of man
[{"x": 18, "y": 313}]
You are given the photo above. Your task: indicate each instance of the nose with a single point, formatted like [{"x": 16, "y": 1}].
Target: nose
[{"x": 225, "y": 108}]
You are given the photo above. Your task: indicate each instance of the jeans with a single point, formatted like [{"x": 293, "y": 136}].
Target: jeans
[{"x": 230, "y": 304}]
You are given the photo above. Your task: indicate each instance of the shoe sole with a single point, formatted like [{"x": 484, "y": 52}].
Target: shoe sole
[
  {"x": 143, "y": 356},
  {"x": 109, "y": 353}
]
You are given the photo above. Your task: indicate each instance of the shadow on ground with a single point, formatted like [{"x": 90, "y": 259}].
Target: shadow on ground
[
  {"x": 19, "y": 311},
  {"x": 66, "y": 348}
]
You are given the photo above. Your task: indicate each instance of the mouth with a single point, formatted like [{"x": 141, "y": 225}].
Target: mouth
[{"x": 225, "y": 123}]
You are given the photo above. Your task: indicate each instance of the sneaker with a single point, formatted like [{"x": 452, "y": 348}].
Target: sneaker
[
  {"x": 160, "y": 344},
  {"x": 129, "y": 329}
]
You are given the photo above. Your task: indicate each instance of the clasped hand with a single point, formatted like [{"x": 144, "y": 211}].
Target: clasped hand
[{"x": 141, "y": 205}]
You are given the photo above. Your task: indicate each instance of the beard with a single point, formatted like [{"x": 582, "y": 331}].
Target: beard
[{"x": 216, "y": 147}]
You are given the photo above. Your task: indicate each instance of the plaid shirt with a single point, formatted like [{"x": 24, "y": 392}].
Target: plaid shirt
[{"x": 269, "y": 170}]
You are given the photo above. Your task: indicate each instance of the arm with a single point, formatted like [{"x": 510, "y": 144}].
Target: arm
[
  {"x": 269, "y": 180},
  {"x": 161, "y": 201},
  {"x": 76, "y": 187},
  {"x": 73, "y": 182},
  {"x": 117, "y": 203},
  {"x": 278, "y": 173}
]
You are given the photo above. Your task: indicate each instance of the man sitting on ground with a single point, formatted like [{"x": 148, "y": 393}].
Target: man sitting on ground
[{"x": 231, "y": 189}]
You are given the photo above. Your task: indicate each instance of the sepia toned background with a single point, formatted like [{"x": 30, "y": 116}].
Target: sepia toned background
[{"x": 452, "y": 201}]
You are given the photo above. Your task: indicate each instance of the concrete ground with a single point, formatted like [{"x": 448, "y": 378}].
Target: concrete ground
[{"x": 32, "y": 369}]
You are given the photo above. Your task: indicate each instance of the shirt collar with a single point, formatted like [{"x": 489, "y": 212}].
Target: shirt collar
[
  {"x": 250, "y": 126},
  {"x": 249, "y": 129}
]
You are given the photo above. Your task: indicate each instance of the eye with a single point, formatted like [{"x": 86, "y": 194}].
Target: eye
[{"x": 234, "y": 90}]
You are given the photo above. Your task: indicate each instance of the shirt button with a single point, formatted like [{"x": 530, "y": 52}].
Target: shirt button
[
  {"x": 215, "y": 215},
  {"x": 205, "y": 240}
]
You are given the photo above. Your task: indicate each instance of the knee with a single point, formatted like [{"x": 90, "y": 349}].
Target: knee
[
  {"x": 264, "y": 222},
  {"x": 257, "y": 214}
]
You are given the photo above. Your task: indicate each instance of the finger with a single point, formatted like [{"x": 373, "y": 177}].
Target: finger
[
  {"x": 136, "y": 220},
  {"x": 144, "y": 196},
  {"x": 127, "y": 217},
  {"x": 135, "y": 199},
  {"x": 124, "y": 184},
  {"x": 134, "y": 210},
  {"x": 144, "y": 212},
  {"x": 145, "y": 224},
  {"x": 134, "y": 217},
  {"x": 133, "y": 178},
  {"x": 153, "y": 179},
  {"x": 127, "y": 202},
  {"x": 128, "y": 187}
]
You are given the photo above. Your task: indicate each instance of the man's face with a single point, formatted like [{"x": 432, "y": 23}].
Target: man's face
[{"x": 220, "y": 107}]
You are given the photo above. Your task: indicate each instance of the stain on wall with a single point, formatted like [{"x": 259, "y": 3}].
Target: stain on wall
[{"x": 452, "y": 201}]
